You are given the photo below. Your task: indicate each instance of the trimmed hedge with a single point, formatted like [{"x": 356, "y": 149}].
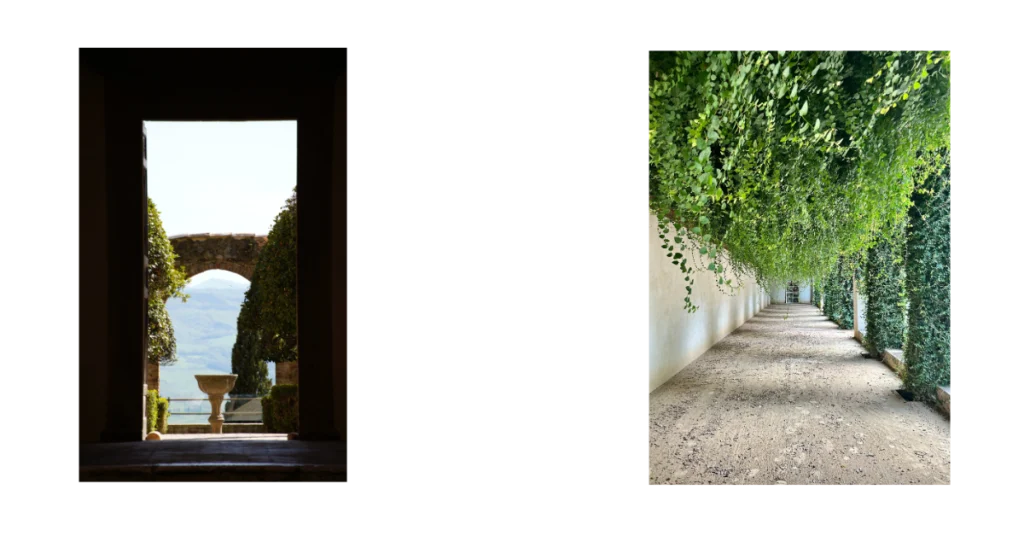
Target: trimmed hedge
[
  {"x": 281, "y": 409},
  {"x": 163, "y": 410},
  {"x": 151, "y": 410},
  {"x": 267, "y": 406}
]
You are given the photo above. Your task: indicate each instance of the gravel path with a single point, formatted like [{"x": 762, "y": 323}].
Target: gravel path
[{"x": 787, "y": 398}]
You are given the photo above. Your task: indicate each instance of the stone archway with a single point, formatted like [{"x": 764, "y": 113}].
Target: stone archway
[
  {"x": 197, "y": 253},
  {"x": 235, "y": 253}
]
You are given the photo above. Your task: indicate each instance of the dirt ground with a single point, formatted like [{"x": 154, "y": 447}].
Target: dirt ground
[{"x": 787, "y": 398}]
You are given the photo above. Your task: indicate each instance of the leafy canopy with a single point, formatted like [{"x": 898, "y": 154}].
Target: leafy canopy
[{"x": 778, "y": 163}]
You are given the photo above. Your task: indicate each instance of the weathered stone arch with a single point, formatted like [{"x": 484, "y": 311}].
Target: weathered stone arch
[
  {"x": 235, "y": 253},
  {"x": 198, "y": 253}
]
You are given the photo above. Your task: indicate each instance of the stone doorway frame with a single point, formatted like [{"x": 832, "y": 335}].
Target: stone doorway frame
[{"x": 119, "y": 89}]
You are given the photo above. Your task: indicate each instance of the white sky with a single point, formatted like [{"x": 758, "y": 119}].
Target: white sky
[
  {"x": 220, "y": 177},
  {"x": 215, "y": 274}
]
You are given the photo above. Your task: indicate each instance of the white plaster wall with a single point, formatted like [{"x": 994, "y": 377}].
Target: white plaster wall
[
  {"x": 862, "y": 313},
  {"x": 778, "y": 294},
  {"x": 677, "y": 337}
]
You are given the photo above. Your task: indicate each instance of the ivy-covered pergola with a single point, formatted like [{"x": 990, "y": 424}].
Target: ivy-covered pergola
[{"x": 830, "y": 167}]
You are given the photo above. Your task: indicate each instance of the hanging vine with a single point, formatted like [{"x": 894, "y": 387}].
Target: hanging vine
[{"x": 775, "y": 164}]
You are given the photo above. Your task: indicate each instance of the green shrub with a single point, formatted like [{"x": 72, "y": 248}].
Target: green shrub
[
  {"x": 285, "y": 408},
  {"x": 163, "y": 410},
  {"x": 267, "y": 407},
  {"x": 151, "y": 410}
]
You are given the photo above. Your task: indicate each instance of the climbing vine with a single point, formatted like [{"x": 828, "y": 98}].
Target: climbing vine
[
  {"x": 777, "y": 163},
  {"x": 886, "y": 300},
  {"x": 926, "y": 355},
  {"x": 838, "y": 290}
]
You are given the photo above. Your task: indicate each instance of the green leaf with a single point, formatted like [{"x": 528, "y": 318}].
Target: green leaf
[{"x": 803, "y": 109}]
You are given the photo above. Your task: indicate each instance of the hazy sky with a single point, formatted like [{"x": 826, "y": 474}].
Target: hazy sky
[{"x": 213, "y": 177}]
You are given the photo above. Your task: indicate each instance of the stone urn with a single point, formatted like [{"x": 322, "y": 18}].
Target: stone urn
[{"x": 216, "y": 386}]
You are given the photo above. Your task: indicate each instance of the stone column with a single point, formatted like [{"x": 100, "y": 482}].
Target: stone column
[
  {"x": 316, "y": 190},
  {"x": 287, "y": 372},
  {"x": 126, "y": 263},
  {"x": 339, "y": 258},
  {"x": 153, "y": 376}
]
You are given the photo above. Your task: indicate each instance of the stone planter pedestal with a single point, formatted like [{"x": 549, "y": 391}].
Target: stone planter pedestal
[{"x": 216, "y": 386}]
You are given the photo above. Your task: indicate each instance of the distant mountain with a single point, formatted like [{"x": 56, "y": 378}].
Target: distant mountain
[{"x": 205, "y": 328}]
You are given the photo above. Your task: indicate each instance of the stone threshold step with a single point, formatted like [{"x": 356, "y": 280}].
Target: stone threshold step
[{"x": 213, "y": 472}]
